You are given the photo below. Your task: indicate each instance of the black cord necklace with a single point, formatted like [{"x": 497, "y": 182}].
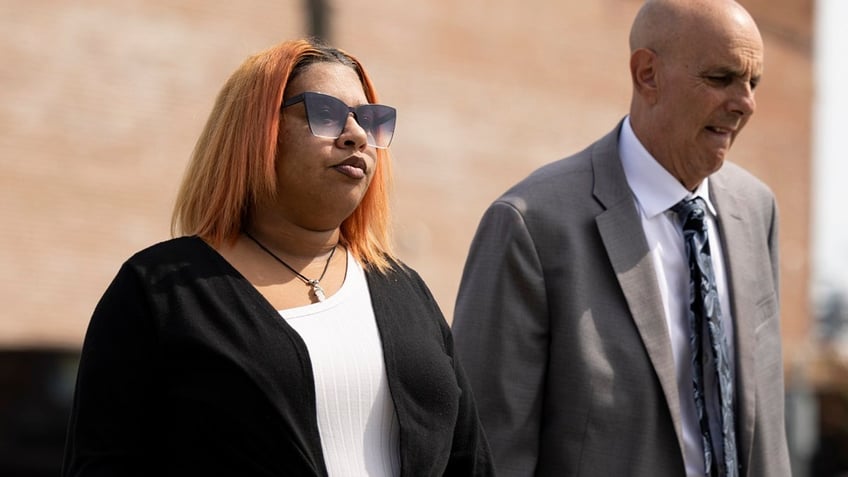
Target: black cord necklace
[{"x": 315, "y": 284}]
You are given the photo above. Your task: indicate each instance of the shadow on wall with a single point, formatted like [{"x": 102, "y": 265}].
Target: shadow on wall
[{"x": 36, "y": 393}]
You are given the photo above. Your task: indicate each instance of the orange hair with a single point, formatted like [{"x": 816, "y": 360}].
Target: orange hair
[{"x": 232, "y": 167}]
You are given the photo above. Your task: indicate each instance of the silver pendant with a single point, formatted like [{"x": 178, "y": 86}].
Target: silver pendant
[{"x": 317, "y": 290}]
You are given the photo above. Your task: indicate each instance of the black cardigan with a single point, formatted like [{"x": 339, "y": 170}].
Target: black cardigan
[{"x": 187, "y": 370}]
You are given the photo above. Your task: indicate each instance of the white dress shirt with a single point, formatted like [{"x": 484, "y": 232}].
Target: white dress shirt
[{"x": 655, "y": 191}]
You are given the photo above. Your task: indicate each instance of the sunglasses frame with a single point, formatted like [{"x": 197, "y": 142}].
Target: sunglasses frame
[{"x": 388, "y": 112}]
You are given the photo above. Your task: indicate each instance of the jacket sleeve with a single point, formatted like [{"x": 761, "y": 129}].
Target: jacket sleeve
[
  {"x": 774, "y": 248},
  {"x": 501, "y": 331},
  {"x": 109, "y": 428},
  {"x": 470, "y": 453},
  {"x": 469, "y": 448}
]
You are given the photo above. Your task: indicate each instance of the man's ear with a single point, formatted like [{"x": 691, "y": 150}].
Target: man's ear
[{"x": 643, "y": 71}]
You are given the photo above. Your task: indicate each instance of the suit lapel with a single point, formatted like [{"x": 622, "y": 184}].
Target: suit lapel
[
  {"x": 742, "y": 281},
  {"x": 621, "y": 232}
]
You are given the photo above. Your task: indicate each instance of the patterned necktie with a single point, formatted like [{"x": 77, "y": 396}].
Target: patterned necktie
[{"x": 705, "y": 311}]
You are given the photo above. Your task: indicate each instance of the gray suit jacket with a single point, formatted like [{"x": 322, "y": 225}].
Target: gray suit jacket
[{"x": 560, "y": 326}]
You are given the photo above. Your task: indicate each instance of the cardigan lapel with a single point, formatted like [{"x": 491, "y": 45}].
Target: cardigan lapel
[{"x": 623, "y": 238}]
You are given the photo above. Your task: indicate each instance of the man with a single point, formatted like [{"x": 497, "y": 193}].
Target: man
[{"x": 575, "y": 319}]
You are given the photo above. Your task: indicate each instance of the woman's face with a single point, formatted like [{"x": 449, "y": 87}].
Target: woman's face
[{"x": 320, "y": 181}]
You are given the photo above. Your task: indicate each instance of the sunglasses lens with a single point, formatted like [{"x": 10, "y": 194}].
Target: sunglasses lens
[
  {"x": 326, "y": 114},
  {"x": 327, "y": 117},
  {"x": 378, "y": 121}
]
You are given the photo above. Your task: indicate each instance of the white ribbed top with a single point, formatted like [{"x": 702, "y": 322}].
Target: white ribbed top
[{"x": 356, "y": 415}]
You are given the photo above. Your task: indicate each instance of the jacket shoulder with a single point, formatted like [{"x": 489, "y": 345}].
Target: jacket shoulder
[
  {"x": 187, "y": 257},
  {"x": 570, "y": 176},
  {"x": 734, "y": 176}
]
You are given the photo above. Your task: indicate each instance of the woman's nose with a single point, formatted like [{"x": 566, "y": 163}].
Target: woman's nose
[{"x": 353, "y": 134}]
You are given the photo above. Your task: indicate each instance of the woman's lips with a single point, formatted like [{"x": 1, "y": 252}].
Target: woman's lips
[
  {"x": 351, "y": 171},
  {"x": 353, "y": 167}
]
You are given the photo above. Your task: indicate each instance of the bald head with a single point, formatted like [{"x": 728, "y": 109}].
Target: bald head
[
  {"x": 663, "y": 25},
  {"x": 695, "y": 65}
]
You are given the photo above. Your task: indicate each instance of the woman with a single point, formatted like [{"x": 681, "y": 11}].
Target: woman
[{"x": 279, "y": 336}]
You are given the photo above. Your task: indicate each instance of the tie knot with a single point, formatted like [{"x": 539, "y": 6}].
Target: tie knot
[{"x": 690, "y": 213}]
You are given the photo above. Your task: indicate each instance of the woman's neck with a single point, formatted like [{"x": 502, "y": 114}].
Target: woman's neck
[{"x": 292, "y": 240}]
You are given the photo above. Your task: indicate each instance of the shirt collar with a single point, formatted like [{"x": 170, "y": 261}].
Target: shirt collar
[{"x": 655, "y": 189}]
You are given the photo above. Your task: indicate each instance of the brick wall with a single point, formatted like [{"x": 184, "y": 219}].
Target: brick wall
[{"x": 102, "y": 101}]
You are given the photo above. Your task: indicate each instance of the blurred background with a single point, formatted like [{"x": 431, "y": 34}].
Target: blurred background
[{"x": 102, "y": 100}]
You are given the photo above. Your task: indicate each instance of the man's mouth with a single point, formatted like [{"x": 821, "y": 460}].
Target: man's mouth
[{"x": 720, "y": 130}]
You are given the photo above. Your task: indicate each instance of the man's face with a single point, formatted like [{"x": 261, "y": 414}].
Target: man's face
[{"x": 706, "y": 96}]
